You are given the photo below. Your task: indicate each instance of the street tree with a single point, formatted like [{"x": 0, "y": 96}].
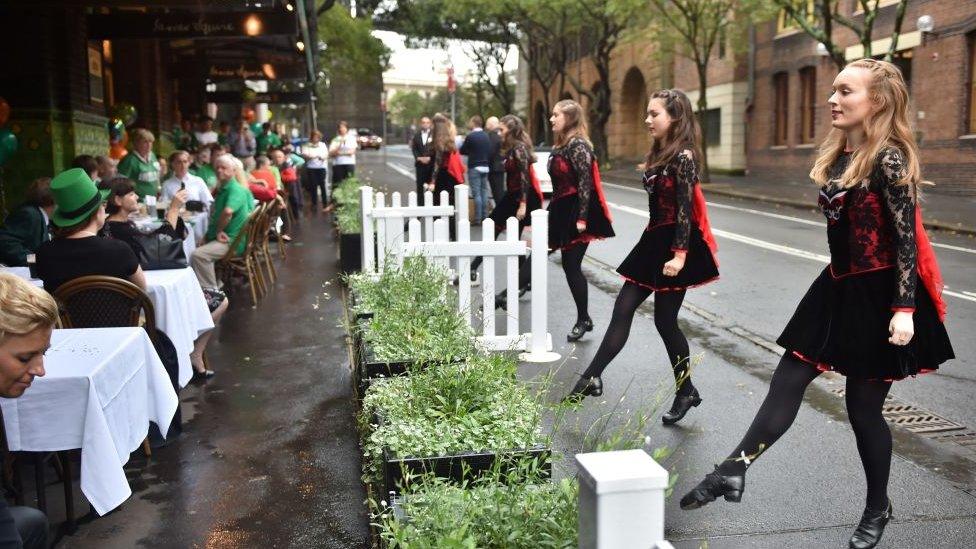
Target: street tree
[
  {"x": 695, "y": 28},
  {"x": 819, "y": 19}
]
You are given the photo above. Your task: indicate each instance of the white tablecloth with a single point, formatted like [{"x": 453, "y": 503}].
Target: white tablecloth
[
  {"x": 23, "y": 272},
  {"x": 102, "y": 388},
  {"x": 181, "y": 311}
]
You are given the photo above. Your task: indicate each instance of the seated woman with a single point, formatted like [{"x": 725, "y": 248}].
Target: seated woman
[
  {"x": 27, "y": 226},
  {"x": 122, "y": 202}
]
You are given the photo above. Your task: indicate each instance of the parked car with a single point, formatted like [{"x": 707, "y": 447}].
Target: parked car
[
  {"x": 541, "y": 167},
  {"x": 367, "y": 139}
]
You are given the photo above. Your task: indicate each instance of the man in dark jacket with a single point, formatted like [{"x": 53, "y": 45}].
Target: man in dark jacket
[
  {"x": 422, "y": 146},
  {"x": 27, "y": 226},
  {"x": 477, "y": 147},
  {"x": 496, "y": 170}
]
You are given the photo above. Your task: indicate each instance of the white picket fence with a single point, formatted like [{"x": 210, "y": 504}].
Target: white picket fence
[{"x": 383, "y": 239}]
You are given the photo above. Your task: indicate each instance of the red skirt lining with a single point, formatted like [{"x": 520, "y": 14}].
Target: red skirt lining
[{"x": 824, "y": 367}]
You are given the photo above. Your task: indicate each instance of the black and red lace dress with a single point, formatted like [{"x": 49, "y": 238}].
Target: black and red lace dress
[
  {"x": 448, "y": 172},
  {"x": 678, "y": 222},
  {"x": 878, "y": 253},
  {"x": 577, "y": 195},
  {"x": 521, "y": 185}
]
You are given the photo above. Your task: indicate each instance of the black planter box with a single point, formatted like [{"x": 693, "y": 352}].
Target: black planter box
[
  {"x": 350, "y": 252},
  {"x": 458, "y": 467},
  {"x": 370, "y": 368}
]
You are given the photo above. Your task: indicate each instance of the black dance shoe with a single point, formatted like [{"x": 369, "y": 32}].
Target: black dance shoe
[
  {"x": 713, "y": 486},
  {"x": 680, "y": 407},
  {"x": 500, "y": 301},
  {"x": 586, "y": 386},
  {"x": 580, "y": 329},
  {"x": 871, "y": 528},
  {"x": 525, "y": 289}
]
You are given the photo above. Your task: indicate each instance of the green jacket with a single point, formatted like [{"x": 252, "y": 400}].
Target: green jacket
[{"x": 22, "y": 232}]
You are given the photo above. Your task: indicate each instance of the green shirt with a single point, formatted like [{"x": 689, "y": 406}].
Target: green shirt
[
  {"x": 239, "y": 199},
  {"x": 266, "y": 139},
  {"x": 206, "y": 173},
  {"x": 277, "y": 173},
  {"x": 145, "y": 173}
]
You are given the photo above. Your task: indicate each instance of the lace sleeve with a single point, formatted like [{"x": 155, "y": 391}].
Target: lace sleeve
[
  {"x": 522, "y": 161},
  {"x": 685, "y": 178},
  {"x": 437, "y": 166},
  {"x": 581, "y": 158},
  {"x": 899, "y": 201}
]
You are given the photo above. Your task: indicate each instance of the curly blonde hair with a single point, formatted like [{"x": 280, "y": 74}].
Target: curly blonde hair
[{"x": 24, "y": 307}]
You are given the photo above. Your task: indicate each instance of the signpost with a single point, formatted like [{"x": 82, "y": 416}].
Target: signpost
[{"x": 452, "y": 89}]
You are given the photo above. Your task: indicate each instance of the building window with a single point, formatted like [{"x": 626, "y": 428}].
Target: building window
[
  {"x": 781, "y": 98},
  {"x": 808, "y": 95},
  {"x": 972, "y": 83},
  {"x": 786, "y": 24},
  {"x": 712, "y": 127}
]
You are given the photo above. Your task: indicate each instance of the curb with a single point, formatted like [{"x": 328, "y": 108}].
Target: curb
[{"x": 932, "y": 224}]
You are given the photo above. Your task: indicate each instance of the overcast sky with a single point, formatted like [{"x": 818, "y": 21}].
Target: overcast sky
[{"x": 429, "y": 64}]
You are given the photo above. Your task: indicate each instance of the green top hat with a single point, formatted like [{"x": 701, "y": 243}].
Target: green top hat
[{"x": 75, "y": 197}]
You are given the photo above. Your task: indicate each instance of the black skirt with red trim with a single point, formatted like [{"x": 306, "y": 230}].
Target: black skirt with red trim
[
  {"x": 645, "y": 263},
  {"x": 509, "y": 204},
  {"x": 842, "y": 323},
  {"x": 563, "y": 213}
]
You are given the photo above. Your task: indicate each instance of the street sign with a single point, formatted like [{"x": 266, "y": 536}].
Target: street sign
[
  {"x": 451, "y": 83},
  {"x": 253, "y": 70},
  {"x": 259, "y": 97}
]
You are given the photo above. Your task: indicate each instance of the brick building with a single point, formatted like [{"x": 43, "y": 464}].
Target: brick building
[
  {"x": 767, "y": 106},
  {"x": 68, "y": 63}
]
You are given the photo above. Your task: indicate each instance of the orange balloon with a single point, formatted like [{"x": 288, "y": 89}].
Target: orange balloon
[
  {"x": 249, "y": 114},
  {"x": 4, "y": 111},
  {"x": 117, "y": 151}
]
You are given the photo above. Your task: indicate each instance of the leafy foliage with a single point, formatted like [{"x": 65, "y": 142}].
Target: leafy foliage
[{"x": 346, "y": 197}]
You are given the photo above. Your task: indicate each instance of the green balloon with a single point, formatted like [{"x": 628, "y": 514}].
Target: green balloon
[
  {"x": 8, "y": 145},
  {"x": 256, "y": 128},
  {"x": 126, "y": 112}
]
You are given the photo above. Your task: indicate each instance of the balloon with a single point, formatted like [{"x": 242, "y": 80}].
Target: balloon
[
  {"x": 270, "y": 114},
  {"x": 117, "y": 151},
  {"x": 8, "y": 145},
  {"x": 249, "y": 95},
  {"x": 256, "y": 128},
  {"x": 126, "y": 112},
  {"x": 249, "y": 115},
  {"x": 4, "y": 111}
]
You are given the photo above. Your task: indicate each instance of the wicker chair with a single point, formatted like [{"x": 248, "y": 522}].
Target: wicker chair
[
  {"x": 245, "y": 263},
  {"x": 262, "y": 247}
]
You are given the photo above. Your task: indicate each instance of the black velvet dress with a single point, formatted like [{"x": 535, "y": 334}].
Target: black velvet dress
[
  {"x": 841, "y": 323},
  {"x": 520, "y": 185},
  {"x": 575, "y": 197},
  {"x": 671, "y": 228}
]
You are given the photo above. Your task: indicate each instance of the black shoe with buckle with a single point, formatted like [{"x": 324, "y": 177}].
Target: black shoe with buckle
[
  {"x": 871, "y": 528},
  {"x": 580, "y": 329},
  {"x": 586, "y": 386},
  {"x": 680, "y": 407},
  {"x": 715, "y": 485}
]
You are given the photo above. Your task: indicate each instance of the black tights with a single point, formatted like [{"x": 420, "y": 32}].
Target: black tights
[
  {"x": 572, "y": 259},
  {"x": 666, "y": 307},
  {"x": 864, "y": 403}
]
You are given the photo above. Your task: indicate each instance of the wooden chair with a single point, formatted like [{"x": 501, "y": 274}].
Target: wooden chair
[
  {"x": 285, "y": 212},
  {"x": 106, "y": 302},
  {"x": 244, "y": 263},
  {"x": 262, "y": 248}
]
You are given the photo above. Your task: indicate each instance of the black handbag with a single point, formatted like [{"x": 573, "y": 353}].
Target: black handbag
[
  {"x": 160, "y": 251},
  {"x": 195, "y": 205}
]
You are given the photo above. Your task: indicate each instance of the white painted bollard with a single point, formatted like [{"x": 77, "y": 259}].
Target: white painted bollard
[
  {"x": 539, "y": 344},
  {"x": 621, "y": 500}
]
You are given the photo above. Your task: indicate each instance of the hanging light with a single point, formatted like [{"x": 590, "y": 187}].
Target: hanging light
[
  {"x": 252, "y": 25},
  {"x": 289, "y": 7},
  {"x": 300, "y": 45},
  {"x": 925, "y": 23}
]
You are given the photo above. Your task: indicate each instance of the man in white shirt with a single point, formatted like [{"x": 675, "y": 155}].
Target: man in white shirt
[
  {"x": 196, "y": 190},
  {"x": 206, "y": 134}
]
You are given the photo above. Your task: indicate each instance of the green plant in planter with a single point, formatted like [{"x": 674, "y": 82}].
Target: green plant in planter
[
  {"x": 346, "y": 197},
  {"x": 414, "y": 284},
  {"x": 484, "y": 514},
  {"x": 448, "y": 409}
]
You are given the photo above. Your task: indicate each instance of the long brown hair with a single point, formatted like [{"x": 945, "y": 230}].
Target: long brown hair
[
  {"x": 887, "y": 125},
  {"x": 516, "y": 134},
  {"x": 683, "y": 133},
  {"x": 444, "y": 134},
  {"x": 575, "y": 125}
]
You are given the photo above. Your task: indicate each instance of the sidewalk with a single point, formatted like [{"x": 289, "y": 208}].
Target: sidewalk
[{"x": 942, "y": 210}]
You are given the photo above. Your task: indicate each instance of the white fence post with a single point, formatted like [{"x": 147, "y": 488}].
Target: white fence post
[
  {"x": 366, "y": 214},
  {"x": 488, "y": 282},
  {"x": 463, "y": 234},
  {"x": 539, "y": 339},
  {"x": 621, "y": 500},
  {"x": 512, "y": 290}
]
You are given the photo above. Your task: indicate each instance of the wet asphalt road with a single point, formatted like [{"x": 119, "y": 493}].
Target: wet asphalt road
[{"x": 808, "y": 491}]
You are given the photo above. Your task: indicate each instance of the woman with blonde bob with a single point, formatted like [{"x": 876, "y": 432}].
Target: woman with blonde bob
[
  {"x": 866, "y": 316},
  {"x": 578, "y": 212},
  {"x": 27, "y": 317}
]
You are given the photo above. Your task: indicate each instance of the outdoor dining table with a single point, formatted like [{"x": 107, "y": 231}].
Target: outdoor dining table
[
  {"x": 181, "y": 312},
  {"x": 148, "y": 224},
  {"x": 101, "y": 389},
  {"x": 23, "y": 272}
]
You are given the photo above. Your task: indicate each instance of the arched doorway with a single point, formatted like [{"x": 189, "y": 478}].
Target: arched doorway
[
  {"x": 634, "y": 139},
  {"x": 539, "y": 123}
]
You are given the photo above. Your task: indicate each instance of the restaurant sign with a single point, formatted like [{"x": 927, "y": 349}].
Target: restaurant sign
[
  {"x": 259, "y": 97},
  {"x": 190, "y": 25},
  {"x": 254, "y": 71}
]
